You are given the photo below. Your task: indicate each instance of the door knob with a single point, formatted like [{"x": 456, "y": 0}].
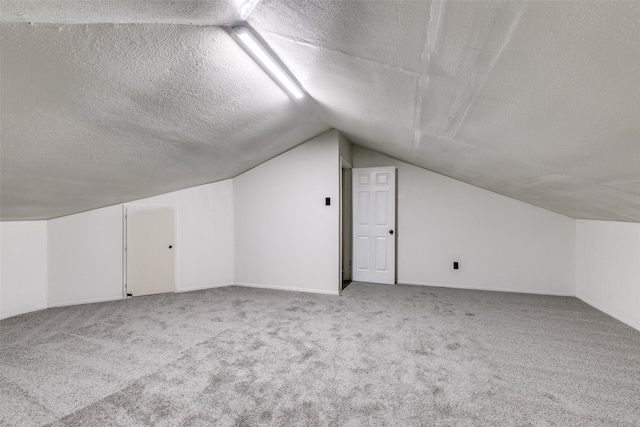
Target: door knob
[{"x": 390, "y": 231}]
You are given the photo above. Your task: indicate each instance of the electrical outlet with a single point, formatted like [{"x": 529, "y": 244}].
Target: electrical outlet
[{"x": 455, "y": 265}]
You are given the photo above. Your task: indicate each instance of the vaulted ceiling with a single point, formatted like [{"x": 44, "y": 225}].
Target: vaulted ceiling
[{"x": 107, "y": 101}]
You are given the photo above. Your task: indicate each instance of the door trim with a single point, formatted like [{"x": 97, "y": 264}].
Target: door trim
[{"x": 344, "y": 165}]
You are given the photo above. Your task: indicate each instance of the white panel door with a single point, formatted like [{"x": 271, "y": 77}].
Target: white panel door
[
  {"x": 374, "y": 219},
  {"x": 150, "y": 250}
]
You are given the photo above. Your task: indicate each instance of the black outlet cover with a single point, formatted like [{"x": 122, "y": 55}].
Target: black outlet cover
[
  {"x": 455, "y": 265},
  {"x": 327, "y": 201}
]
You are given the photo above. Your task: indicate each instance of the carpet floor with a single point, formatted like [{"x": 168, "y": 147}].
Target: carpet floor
[{"x": 377, "y": 355}]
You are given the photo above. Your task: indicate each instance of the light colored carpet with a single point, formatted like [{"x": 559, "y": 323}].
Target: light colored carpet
[{"x": 377, "y": 355}]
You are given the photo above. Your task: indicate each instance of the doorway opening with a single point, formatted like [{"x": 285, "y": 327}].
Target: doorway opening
[{"x": 346, "y": 221}]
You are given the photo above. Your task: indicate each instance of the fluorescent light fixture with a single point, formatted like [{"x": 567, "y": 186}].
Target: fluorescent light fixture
[{"x": 269, "y": 63}]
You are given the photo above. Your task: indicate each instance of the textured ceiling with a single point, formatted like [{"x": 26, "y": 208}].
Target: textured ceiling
[{"x": 107, "y": 101}]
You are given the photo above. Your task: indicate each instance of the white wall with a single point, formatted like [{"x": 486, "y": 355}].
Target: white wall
[
  {"x": 270, "y": 227},
  {"x": 85, "y": 257},
  {"x": 23, "y": 264},
  {"x": 500, "y": 243},
  {"x": 205, "y": 240},
  {"x": 345, "y": 148},
  {"x": 85, "y": 250},
  {"x": 608, "y": 268},
  {"x": 286, "y": 238}
]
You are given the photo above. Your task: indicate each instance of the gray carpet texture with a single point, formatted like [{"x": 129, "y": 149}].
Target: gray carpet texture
[{"x": 377, "y": 355}]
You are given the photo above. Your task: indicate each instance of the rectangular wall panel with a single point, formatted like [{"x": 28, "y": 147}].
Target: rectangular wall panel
[
  {"x": 381, "y": 253},
  {"x": 382, "y": 178},
  {"x": 363, "y": 179},
  {"x": 363, "y": 208},
  {"x": 363, "y": 252},
  {"x": 381, "y": 207}
]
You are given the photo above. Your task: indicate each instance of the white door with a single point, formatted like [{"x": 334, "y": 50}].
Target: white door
[
  {"x": 374, "y": 219},
  {"x": 150, "y": 250}
]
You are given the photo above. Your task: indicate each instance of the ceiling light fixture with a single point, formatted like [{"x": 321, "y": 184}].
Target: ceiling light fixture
[{"x": 259, "y": 52}]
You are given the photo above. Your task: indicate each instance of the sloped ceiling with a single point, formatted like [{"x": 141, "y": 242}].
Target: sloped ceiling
[{"x": 108, "y": 101}]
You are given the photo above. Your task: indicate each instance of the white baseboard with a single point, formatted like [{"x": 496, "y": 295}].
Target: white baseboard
[
  {"x": 88, "y": 301},
  {"x": 481, "y": 288},
  {"x": 609, "y": 313},
  {"x": 285, "y": 288},
  {"x": 199, "y": 288},
  {"x": 17, "y": 313}
]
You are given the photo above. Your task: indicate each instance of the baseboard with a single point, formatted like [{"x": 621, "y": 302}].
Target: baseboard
[
  {"x": 199, "y": 288},
  {"x": 88, "y": 301},
  {"x": 285, "y": 288},
  {"x": 481, "y": 288},
  {"x": 18, "y": 313},
  {"x": 62, "y": 304},
  {"x": 609, "y": 313}
]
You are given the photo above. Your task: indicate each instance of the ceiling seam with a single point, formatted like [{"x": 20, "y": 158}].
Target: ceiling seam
[
  {"x": 306, "y": 43},
  {"x": 436, "y": 11},
  {"x": 461, "y": 106}
]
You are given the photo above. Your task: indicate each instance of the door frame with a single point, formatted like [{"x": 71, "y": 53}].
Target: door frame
[
  {"x": 176, "y": 244},
  {"x": 344, "y": 165}
]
